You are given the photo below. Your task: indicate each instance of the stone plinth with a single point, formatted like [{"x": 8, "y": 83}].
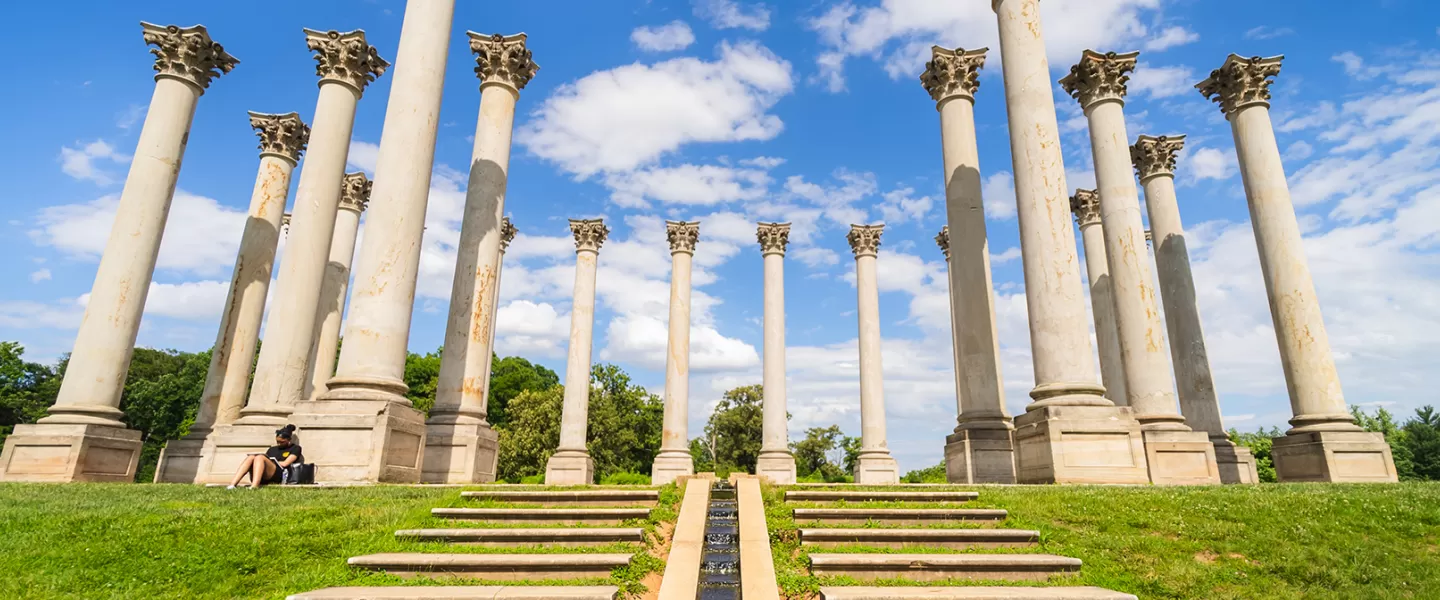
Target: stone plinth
[
  {"x": 1236, "y": 462},
  {"x": 460, "y": 453},
  {"x": 980, "y": 456},
  {"x": 70, "y": 452},
  {"x": 362, "y": 440},
  {"x": 228, "y": 444},
  {"x": 1180, "y": 457},
  {"x": 1334, "y": 456},
  {"x": 1080, "y": 444},
  {"x": 878, "y": 468},
  {"x": 570, "y": 467}
]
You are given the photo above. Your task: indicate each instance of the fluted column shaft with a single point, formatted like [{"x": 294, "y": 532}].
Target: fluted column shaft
[
  {"x": 492, "y": 304},
  {"x": 372, "y": 361},
  {"x": 872, "y": 386},
  {"x": 1059, "y": 337},
  {"x": 326, "y": 345},
  {"x": 575, "y": 410},
  {"x": 675, "y": 437},
  {"x": 774, "y": 434},
  {"x": 1102, "y": 304}
]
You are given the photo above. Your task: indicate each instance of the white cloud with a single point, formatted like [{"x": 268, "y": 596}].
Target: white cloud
[
  {"x": 815, "y": 256},
  {"x": 675, "y": 35},
  {"x": 730, "y": 14},
  {"x": 1208, "y": 163},
  {"x": 80, "y": 161},
  {"x": 901, "y": 205},
  {"x": 1171, "y": 37},
  {"x": 999, "y": 194},
  {"x": 1300, "y": 150},
  {"x": 1162, "y": 82},
  {"x": 531, "y": 329},
  {"x": 627, "y": 117},
  {"x": 686, "y": 184},
  {"x": 130, "y": 116},
  {"x": 1008, "y": 255},
  {"x": 1267, "y": 33},
  {"x": 63, "y": 314},
  {"x": 41, "y": 275},
  {"x": 363, "y": 156},
  {"x": 201, "y": 236}
]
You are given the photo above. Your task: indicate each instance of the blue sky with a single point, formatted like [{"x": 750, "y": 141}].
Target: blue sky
[{"x": 731, "y": 112}]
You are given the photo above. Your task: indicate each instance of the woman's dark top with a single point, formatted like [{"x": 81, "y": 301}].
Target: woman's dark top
[{"x": 280, "y": 453}]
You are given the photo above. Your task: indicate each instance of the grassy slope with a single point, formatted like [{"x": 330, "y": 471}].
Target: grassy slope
[
  {"x": 173, "y": 541},
  {"x": 1270, "y": 541}
]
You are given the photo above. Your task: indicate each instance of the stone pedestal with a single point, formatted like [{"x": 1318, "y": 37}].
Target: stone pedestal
[
  {"x": 70, "y": 452},
  {"x": 670, "y": 466},
  {"x": 227, "y": 445},
  {"x": 362, "y": 440},
  {"x": 460, "y": 453},
  {"x": 1236, "y": 463},
  {"x": 1080, "y": 444},
  {"x": 980, "y": 456},
  {"x": 876, "y": 468},
  {"x": 570, "y": 467},
  {"x": 778, "y": 467},
  {"x": 1334, "y": 456},
  {"x": 1180, "y": 457}
]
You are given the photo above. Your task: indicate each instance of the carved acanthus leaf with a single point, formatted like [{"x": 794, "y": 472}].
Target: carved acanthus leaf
[
  {"x": 503, "y": 59},
  {"x": 284, "y": 135},
  {"x": 355, "y": 191},
  {"x": 682, "y": 235},
  {"x": 944, "y": 241},
  {"x": 590, "y": 234},
  {"x": 1156, "y": 155},
  {"x": 1241, "y": 82},
  {"x": 187, "y": 53},
  {"x": 773, "y": 237},
  {"x": 507, "y": 233},
  {"x": 1099, "y": 77},
  {"x": 1086, "y": 206},
  {"x": 953, "y": 72},
  {"x": 865, "y": 239},
  {"x": 345, "y": 57}
]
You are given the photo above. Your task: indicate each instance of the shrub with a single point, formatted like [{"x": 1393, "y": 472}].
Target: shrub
[{"x": 625, "y": 478}]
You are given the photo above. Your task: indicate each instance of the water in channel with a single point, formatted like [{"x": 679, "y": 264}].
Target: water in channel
[{"x": 720, "y": 563}]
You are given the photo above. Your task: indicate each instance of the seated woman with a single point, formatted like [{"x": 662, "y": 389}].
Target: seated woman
[{"x": 267, "y": 467}]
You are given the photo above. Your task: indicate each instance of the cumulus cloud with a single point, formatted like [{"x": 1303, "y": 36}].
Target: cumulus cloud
[
  {"x": 1208, "y": 163},
  {"x": 675, "y": 35},
  {"x": 1171, "y": 37},
  {"x": 686, "y": 184},
  {"x": 201, "y": 236},
  {"x": 83, "y": 161},
  {"x": 1265, "y": 32},
  {"x": 1162, "y": 82},
  {"x": 730, "y": 14},
  {"x": 998, "y": 191}
]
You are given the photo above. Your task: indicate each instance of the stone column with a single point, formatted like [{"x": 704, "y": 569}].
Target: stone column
[
  {"x": 1175, "y": 453},
  {"x": 775, "y": 461},
  {"x": 674, "y": 458},
  {"x": 1323, "y": 444},
  {"x": 282, "y": 140},
  {"x": 1086, "y": 206},
  {"x": 982, "y": 449},
  {"x": 507, "y": 235},
  {"x": 571, "y": 463},
  {"x": 83, "y": 438},
  {"x": 370, "y": 431},
  {"x": 874, "y": 466},
  {"x": 345, "y": 64},
  {"x": 460, "y": 446},
  {"x": 354, "y": 196},
  {"x": 1067, "y": 397},
  {"x": 942, "y": 239},
  {"x": 1154, "y": 159}
]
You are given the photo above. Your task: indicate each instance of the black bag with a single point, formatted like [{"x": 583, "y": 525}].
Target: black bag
[{"x": 297, "y": 474}]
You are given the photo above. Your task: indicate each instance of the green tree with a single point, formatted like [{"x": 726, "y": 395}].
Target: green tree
[
  {"x": 812, "y": 453},
  {"x": 625, "y": 423},
  {"x": 509, "y": 377},
  {"x": 161, "y": 396},
  {"x": 1259, "y": 443},
  {"x": 1383, "y": 422},
  {"x": 26, "y": 388},
  {"x": 700, "y": 455},
  {"x": 422, "y": 374},
  {"x": 1422, "y": 442},
  {"x": 531, "y": 434},
  {"x": 735, "y": 428},
  {"x": 850, "y": 447},
  {"x": 931, "y": 474}
]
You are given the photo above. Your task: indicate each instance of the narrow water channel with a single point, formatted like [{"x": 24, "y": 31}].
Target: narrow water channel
[{"x": 720, "y": 563}]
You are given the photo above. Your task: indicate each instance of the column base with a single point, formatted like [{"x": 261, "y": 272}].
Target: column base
[
  {"x": 669, "y": 465},
  {"x": 180, "y": 460},
  {"x": 460, "y": 453},
  {"x": 876, "y": 467},
  {"x": 980, "y": 456},
  {"x": 776, "y": 465},
  {"x": 1236, "y": 463},
  {"x": 66, "y": 452},
  {"x": 227, "y": 445},
  {"x": 362, "y": 441},
  {"x": 1334, "y": 456},
  {"x": 1180, "y": 458},
  {"x": 570, "y": 467},
  {"x": 1079, "y": 444}
]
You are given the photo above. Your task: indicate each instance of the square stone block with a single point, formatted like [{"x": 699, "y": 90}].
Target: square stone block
[
  {"x": 570, "y": 467},
  {"x": 669, "y": 466},
  {"x": 180, "y": 461},
  {"x": 362, "y": 441},
  {"x": 980, "y": 456},
  {"x": 876, "y": 468},
  {"x": 63, "y": 452},
  {"x": 1180, "y": 458},
  {"x": 227, "y": 445},
  {"x": 460, "y": 453},
  {"x": 1334, "y": 456},
  {"x": 1236, "y": 463},
  {"x": 778, "y": 467},
  {"x": 1080, "y": 444}
]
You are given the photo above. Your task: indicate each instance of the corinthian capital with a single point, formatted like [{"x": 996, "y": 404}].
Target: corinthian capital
[
  {"x": 502, "y": 59},
  {"x": 282, "y": 135},
  {"x": 507, "y": 233},
  {"x": 1099, "y": 77},
  {"x": 1156, "y": 155},
  {"x": 1086, "y": 206},
  {"x": 355, "y": 192},
  {"x": 187, "y": 54},
  {"x": 773, "y": 237},
  {"x": 865, "y": 239},
  {"x": 952, "y": 73},
  {"x": 285, "y": 224},
  {"x": 1241, "y": 82},
  {"x": 345, "y": 58},
  {"x": 944, "y": 241},
  {"x": 590, "y": 234},
  {"x": 682, "y": 235}
]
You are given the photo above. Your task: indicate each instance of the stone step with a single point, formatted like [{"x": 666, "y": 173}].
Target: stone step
[
  {"x": 877, "y": 496},
  {"x": 971, "y": 593},
  {"x": 565, "y": 516},
  {"x": 464, "y": 592},
  {"x": 640, "y": 497},
  {"x": 494, "y": 567},
  {"x": 549, "y": 536},
  {"x": 899, "y": 538},
  {"x": 935, "y": 567},
  {"x": 896, "y": 516}
]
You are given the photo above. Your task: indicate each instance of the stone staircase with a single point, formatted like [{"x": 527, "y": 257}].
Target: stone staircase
[
  {"x": 932, "y": 555},
  {"x": 531, "y": 519}
]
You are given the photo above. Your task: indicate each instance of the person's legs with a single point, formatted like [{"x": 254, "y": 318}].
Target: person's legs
[
  {"x": 258, "y": 471},
  {"x": 245, "y": 467}
]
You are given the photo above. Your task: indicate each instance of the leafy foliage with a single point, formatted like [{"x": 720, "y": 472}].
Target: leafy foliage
[
  {"x": 1259, "y": 443},
  {"x": 818, "y": 456},
  {"x": 509, "y": 377},
  {"x": 26, "y": 388},
  {"x": 931, "y": 474},
  {"x": 735, "y": 428},
  {"x": 162, "y": 394},
  {"x": 422, "y": 374}
]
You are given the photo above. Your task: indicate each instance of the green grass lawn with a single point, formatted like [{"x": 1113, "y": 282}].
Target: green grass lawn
[
  {"x": 1267, "y": 541},
  {"x": 179, "y": 541}
]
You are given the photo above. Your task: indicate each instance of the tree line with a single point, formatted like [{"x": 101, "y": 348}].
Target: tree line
[{"x": 163, "y": 388}]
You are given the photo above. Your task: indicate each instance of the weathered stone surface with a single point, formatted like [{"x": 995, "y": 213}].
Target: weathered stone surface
[
  {"x": 775, "y": 461},
  {"x": 898, "y": 538},
  {"x": 971, "y": 593},
  {"x": 1080, "y": 444},
  {"x": 550, "y": 536},
  {"x": 608, "y": 497},
  {"x": 687, "y": 547},
  {"x": 464, "y": 592},
  {"x": 932, "y": 567},
  {"x": 874, "y": 464},
  {"x": 877, "y": 496},
  {"x": 1336, "y": 456},
  {"x": 757, "y": 564},
  {"x": 70, "y": 452},
  {"x": 895, "y": 516},
  {"x": 494, "y": 567},
  {"x": 572, "y": 516}
]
